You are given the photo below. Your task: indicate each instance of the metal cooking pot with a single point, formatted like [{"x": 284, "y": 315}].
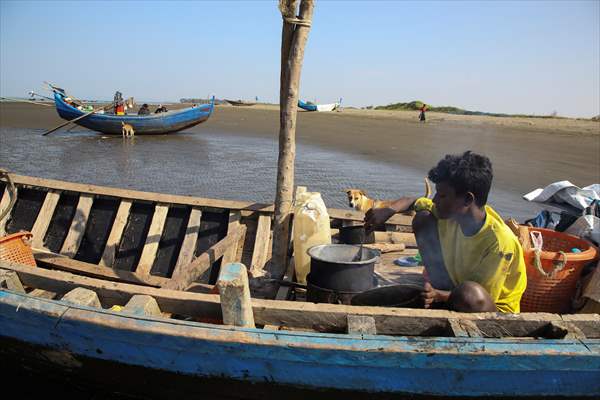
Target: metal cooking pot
[{"x": 332, "y": 267}]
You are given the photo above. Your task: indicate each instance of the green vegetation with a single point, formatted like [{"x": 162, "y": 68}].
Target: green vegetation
[{"x": 416, "y": 106}]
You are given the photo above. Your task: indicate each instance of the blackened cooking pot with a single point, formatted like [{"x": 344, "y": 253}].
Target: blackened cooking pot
[
  {"x": 332, "y": 267},
  {"x": 355, "y": 234}
]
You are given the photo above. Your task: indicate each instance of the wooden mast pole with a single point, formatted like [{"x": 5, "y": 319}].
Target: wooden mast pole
[{"x": 293, "y": 39}]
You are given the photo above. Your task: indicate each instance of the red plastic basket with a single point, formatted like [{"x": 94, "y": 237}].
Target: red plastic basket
[
  {"x": 553, "y": 290},
  {"x": 15, "y": 248}
]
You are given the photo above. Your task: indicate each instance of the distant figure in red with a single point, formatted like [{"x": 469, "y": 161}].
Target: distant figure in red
[{"x": 422, "y": 113}]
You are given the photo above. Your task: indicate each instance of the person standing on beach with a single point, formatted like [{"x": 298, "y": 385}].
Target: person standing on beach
[
  {"x": 473, "y": 261},
  {"x": 422, "y": 113}
]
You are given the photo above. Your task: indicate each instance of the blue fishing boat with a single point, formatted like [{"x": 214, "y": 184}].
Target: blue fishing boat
[
  {"x": 119, "y": 251},
  {"x": 153, "y": 124},
  {"x": 317, "y": 107}
]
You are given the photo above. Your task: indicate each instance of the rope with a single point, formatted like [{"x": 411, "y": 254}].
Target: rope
[
  {"x": 558, "y": 265},
  {"x": 297, "y": 21},
  {"x": 12, "y": 192}
]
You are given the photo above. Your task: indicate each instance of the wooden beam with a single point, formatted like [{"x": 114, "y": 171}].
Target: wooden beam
[
  {"x": 139, "y": 195},
  {"x": 188, "y": 247},
  {"x": 463, "y": 328},
  {"x": 262, "y": 243},
  {"x": 234, "y": 292},
  {"x": 42, "y": 222},
  {"x": 321, "y": 317},
  {"x": 199, "y": 269},
  {"x": 152, "y": 239},
  {"x": 114, "y": 238},
  {"x": 361, "y": 325},
  {"x": 77, "y": 230},
  {"x": 53, "y": 260},
  {"x": 234, "y": 224},
  {"x": 293, "y": 41}
]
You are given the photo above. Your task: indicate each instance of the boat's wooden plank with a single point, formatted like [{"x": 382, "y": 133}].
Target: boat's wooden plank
[
  {"x": 71, "y": 244},
  {"x": 25, "y": 210},
  {"x": 322, "y": 317},
  {"x": 110, "y": 250},
  {"x": 40, "y": 227},
  {"x": 152, "y": 239},
  {"x": 171, "y": 241},
  {"x": 186, "y": 254},
  {"x": 99, "y": 224},
  {"x": 10, "y": 280},
  {"x": 233, "y": 226},
  {"x": 60, "y": 223},
  {"x": 4, "y": 202},
  {"x": 63, "y": 263},
  {"x": 139, "y": 195},
  {"x": 589, "y": 324},
  {"x": 262, "y": 243},
  {"x": 398, "y": 219},
  {"x": 361, "y": 325},
  {"x": 134, "y": 236},
  {"x": 43, "y": 294},
  {"x": 463, "y": 328},
  {"x": 199, "y": 269},
  {"x": 351, "y": 215}
]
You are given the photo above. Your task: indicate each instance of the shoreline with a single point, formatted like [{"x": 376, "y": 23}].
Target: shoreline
[{"x": 524, "y": 156}]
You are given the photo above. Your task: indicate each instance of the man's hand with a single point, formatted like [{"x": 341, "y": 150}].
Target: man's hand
[
  {"x": 377, "y": 216},
  {"x": 431, "y": 295}
]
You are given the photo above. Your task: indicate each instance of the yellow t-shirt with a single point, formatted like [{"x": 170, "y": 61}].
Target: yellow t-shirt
[{"x": 493, "y": 257}]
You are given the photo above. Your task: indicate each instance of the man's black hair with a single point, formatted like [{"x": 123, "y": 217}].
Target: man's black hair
[{"x": 469, "y": 172}]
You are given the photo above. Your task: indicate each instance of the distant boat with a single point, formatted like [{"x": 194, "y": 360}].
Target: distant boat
[
  {"x": 240, "y": 102},
  {"x": 152, "y": 124},
  {"x": 317, "y": 107}
]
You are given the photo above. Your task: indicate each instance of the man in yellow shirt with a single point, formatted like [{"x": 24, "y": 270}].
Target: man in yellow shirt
[{"x": 473, "y": 261}]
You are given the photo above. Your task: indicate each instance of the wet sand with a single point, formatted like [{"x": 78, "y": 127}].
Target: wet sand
[{"x": 526, "y": 152}]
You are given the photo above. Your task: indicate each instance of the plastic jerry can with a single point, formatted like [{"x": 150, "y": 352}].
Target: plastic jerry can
[{"x": 311, "y": 228}]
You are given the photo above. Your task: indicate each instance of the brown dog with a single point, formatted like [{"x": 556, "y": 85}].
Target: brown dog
[
  {"x": 358, "y": 199},
  {"x": 127, "y": 130}
]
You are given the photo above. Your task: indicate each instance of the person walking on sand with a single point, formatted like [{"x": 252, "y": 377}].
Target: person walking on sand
[{"x": 422, "y": 113}]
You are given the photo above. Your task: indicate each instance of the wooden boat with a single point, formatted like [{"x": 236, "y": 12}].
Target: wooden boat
[
  {"x": 152, "y": 124},
  {"x": 240, "y": 102},
  {"x": 122, "y": 244},
  {"x": 317, "y": 107}
]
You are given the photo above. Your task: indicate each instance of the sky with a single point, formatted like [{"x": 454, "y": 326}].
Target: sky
[{"x": 529, "y": 57}]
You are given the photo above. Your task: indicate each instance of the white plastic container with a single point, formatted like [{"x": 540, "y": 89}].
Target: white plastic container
[{"x": 311, "y": 228}]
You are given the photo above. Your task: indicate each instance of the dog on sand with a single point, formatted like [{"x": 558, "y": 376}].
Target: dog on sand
[
  {"x": 127, "y": 130},
  {"x": 360, "y": 201}
]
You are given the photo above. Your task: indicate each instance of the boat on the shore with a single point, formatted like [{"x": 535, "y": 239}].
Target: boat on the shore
[
  {"x": 102, "y": 306},
  {"x": 240, "y": 102},
  {"x": 152, "y": 124},
  {"x": 307, "y": 106}
]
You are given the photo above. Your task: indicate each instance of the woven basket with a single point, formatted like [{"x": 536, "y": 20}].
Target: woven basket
[
  {"x": 553, "y": 290},
  {"x": 15, "y": 248}
]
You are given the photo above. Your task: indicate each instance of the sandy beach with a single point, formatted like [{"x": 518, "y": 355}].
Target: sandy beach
[{"x": 526, "y": 152}]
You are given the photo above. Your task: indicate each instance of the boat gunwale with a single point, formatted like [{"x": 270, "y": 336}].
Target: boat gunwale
[
  {"x": 287, "y": 313},
  {"x": 333, "y": 341},
  {"x": 48, "y": 183}
]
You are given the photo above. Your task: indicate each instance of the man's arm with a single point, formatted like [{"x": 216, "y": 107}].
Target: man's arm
[{"x": 377, "y": 216}]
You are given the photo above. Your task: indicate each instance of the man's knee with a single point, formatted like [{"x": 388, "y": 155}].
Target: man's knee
[
  {"x": 471, "y": 297},
  {"x": 423, "y": 220}
]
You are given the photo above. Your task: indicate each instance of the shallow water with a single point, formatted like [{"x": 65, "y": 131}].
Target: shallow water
[{"x": 213, "y": 165}]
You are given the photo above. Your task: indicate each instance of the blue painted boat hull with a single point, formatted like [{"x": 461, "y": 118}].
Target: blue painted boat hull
[
  {"x": 153, "y": 124},
  {"x": 71, "y": 337},
  {"x": 306, "y": 106}
]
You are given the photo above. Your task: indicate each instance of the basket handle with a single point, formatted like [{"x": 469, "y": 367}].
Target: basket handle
[{"x": 558, "y": 264}]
